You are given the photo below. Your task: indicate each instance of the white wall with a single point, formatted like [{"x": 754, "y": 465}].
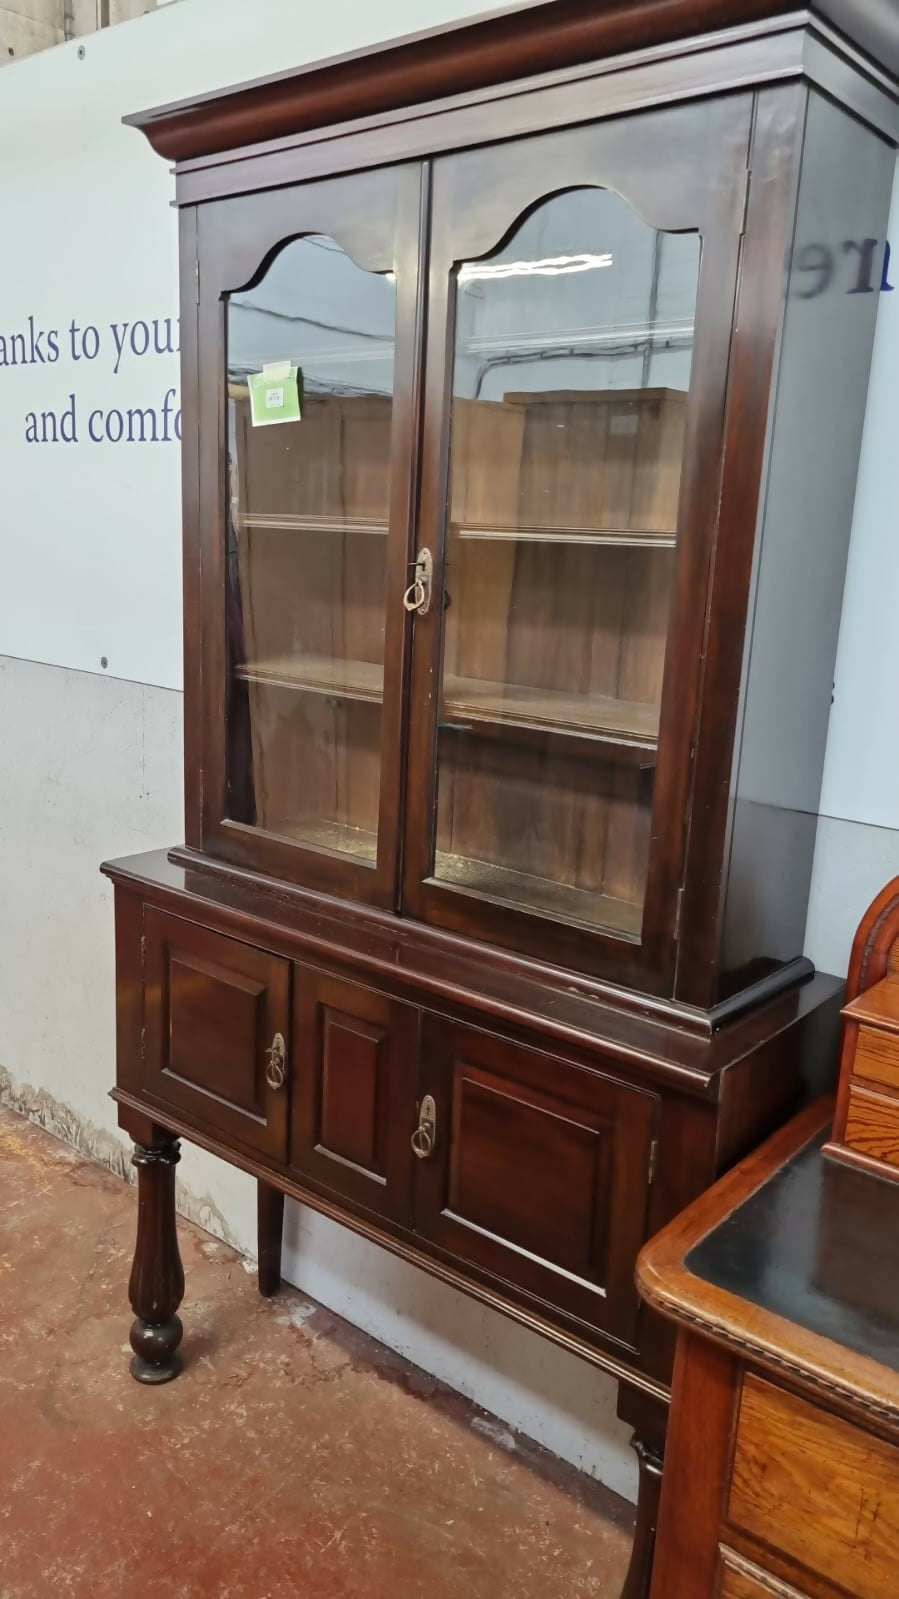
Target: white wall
[{"x": 89, "y": 545}]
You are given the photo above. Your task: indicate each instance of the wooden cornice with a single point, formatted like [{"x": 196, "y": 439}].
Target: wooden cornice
[{"x": 538, "y": 36}]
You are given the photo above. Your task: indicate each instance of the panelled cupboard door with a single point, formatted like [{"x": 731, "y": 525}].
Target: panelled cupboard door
[
  {"x": 355, "y": 1054},
  {"x": 308, "y": 307},
  {"x": 581, "y": 297},
  {"x": 216, "y": 1031},
  {"x": 534, "y": 1170}
]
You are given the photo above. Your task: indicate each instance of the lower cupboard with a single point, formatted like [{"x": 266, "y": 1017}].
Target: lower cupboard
[
  {"x": 508, "y": 1129},
  {"x": 526, "y": 1166}
]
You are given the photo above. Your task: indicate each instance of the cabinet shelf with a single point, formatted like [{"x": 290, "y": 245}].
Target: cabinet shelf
[
  {"x": 312, "y": 524},
  {"x": 623, "y": 537},
  {"x": 494, "y": 705},
  {"x": 357, "y": 842},
  {"x": 494, "y": 882},
  {"x": 318, "y": 674},
  {"x": 539, "y": 894},
  {"x": 543, "y": 710}
]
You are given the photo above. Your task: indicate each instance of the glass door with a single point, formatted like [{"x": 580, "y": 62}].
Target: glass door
[
  {"x": 315, "y": 501},
  {"x": 571, "y": 366},
  {"x": 556, "y": 515},
  {"x": 307, "y": 546}
]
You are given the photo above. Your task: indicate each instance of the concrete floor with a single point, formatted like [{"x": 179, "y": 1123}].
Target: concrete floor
[{"x": 294, "y": 1457}]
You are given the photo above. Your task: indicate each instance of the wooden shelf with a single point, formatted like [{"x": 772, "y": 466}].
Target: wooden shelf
[
  {"x": 356, "y": 842},
  {"x": 555, "y": 743},
  {"x": 558, "y": 900},
  {"x": 479, "y": 877},
  {"x": 318, "y": 674},
  {"x": 312, "y": 524},
  {"x": 472, "y": 701},
  {"x": 494, "y": 882},
  {"x": 612, "y": 537},
  {"x": 624, "y": 537},
  {"x": 513, "y": 705}
]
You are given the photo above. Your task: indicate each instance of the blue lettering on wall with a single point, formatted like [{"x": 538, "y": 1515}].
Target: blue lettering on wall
[
  {"x": 120, "y": 346},
  {"x": 855, "y": 266}
]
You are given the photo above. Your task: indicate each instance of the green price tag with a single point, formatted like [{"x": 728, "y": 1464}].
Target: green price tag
[{"x": 275, "y": 394}]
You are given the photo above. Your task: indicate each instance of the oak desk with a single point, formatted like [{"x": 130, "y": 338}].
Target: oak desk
[{"x": 782, "y": 1469}]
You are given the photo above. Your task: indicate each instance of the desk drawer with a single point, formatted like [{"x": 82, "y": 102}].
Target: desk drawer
[
  {"x": 872, "y": 1124},
  {"x": 877, "y": 1057},
  {"x": 817, "y": 1489},
  {"x": 737, "y": 1579}
]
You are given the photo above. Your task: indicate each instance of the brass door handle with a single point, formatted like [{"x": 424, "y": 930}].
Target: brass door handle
[
  {"x": 276, "y": 1070},
  {"x": 417, "y": 597},
  {"x": 425, "y": 1135}
]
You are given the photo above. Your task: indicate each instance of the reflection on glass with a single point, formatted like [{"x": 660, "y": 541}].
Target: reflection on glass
[
  {"x": 573, "y": 348},
  {"x": 307, "y": 550}
]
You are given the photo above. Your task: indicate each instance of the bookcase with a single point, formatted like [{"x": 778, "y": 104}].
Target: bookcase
[{"x": 509, "y": 643}]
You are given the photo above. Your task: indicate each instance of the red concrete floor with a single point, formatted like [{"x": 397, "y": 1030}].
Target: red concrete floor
[{"x": 294, "y": 1457}]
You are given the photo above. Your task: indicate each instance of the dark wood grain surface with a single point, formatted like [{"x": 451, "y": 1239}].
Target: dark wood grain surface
[
  {"x": 654, "y": 1039},
  {"x": 478, "y": 197},
  {"x": 518, "y": 40},
  {"x": 726, "y": 879}
]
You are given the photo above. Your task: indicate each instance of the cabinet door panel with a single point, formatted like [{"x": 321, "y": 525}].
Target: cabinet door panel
[
  {"x": 307, "y": 339},
  {"x": 539, "y": 1172},
  {"x": 354, "y": 1092},
  {"x": 214, "y": 1008},
  {"x": 574, "y": 426},
  {"x": 553, "y": 1215}
]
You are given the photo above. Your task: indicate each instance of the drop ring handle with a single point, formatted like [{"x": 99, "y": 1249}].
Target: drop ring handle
[
  {"x": 425, "y": 1135},
  {"x": 276, "y": 1069},
  {"x": 417, "y": 597}
]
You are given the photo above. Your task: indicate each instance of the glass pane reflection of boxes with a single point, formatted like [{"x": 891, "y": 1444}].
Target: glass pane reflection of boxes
[{"x": 572, "y": 352}]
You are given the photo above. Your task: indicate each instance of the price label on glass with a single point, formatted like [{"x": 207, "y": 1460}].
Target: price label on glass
[{"x": 275, "y": 394}]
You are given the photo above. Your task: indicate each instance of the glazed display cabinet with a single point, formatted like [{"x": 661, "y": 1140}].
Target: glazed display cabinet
[{"x": 524, "y": 372}]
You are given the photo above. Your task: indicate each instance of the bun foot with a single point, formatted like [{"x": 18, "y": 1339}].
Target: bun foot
[{"x": 156, "y": 1358}]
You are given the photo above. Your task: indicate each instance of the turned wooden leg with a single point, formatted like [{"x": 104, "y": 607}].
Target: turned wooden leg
[
  {"x": 156, "y": 1288},
  {"x": 639, "y": 1575},
  {"x": 270, "y": 1222}
]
